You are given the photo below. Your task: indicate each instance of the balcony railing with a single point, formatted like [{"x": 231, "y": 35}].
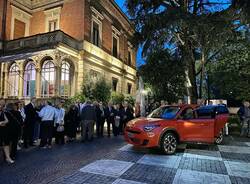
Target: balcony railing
[{"x": 41, "y": 41}]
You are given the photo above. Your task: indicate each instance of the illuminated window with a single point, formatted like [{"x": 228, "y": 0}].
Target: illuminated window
[
  {"x": 65, "y": 79},
  {"x": 48, "y": 78},
  {"x": 13, "y": 80},
  {"x": 29, "y": 80}
]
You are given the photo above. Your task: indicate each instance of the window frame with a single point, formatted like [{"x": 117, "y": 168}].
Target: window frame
[
  {"x": 14, "y": 71},
  {"x": 118, "y": 45},
  {"x": 117, "y": 80},
  {"x": 30, "y": 66},
  {"x": 44, "y": 79},
  {"x": 99, "y": 23},
  {"x": 65, "y": 71}
]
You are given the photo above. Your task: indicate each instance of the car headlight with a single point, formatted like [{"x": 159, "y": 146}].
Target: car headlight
[{"x": 149, "y": 128}]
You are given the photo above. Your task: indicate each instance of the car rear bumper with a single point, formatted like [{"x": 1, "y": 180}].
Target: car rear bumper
[{"x": 141, "y": 138}]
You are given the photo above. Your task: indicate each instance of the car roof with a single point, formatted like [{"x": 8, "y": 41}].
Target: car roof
[
  {"x": 211, "y": 106},
  {"x": 183, "y": 105}
]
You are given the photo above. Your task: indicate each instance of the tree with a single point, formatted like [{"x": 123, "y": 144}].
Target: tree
[
  {"x": 98, "y": 90},
  {"x": 165, "y": 74},
  {"x": 191, "y": 27},
  {"x": 230, "y": 74},
  {"x": 117, "y": 98}
]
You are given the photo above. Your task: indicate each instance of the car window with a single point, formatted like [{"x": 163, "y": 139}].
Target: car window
[
  {"x": 222, "y": 110},
  {"x": 187, "y": 113},
  {"x": 168, "y": 112},
  {"x": 205, "y": 113}
]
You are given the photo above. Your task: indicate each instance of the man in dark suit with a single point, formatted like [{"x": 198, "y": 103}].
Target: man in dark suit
[
  {"x": 29, "y": 123},
  {"x": 128, "y": 113},
  {"x": 88, "y": 119},
  {"x": 110, "y": 116}
]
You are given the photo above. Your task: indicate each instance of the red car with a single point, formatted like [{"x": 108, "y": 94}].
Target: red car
[{"x": 168, "y": 126}]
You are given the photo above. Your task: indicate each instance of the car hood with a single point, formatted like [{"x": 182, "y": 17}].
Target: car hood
[{"x": 139, "y": 122}]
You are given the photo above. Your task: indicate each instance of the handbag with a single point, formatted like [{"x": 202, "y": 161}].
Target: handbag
[{"x": 60, "y": 128}]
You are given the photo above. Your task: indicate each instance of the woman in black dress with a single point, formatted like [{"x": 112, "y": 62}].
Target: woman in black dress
[
  {"x": 4, "y": 136},
  {"x": 15, "y": 123},
  {"x": 71, "y": 122}
]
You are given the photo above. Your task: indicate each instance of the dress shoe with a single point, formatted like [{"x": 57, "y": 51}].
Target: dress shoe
[{"x": 10, "y": 161}]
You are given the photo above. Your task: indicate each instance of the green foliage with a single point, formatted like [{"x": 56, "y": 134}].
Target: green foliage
[
  {"x": 98, "y": 90},
  {"x": 72, "y": 100},
  {"x": 230, "y": 75},
  {"x": 101, "y": 91},
  {"x": 165, "y": 75},
  {"x": 117, "y": 98},
  {"x": 191, "y": 28},
  {"x": 130, "y": 99}
]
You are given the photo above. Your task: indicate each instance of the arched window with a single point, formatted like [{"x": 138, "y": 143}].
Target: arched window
[
  {"x": 13, "y": 80},
  {"x": 65, "y": 79},
  {"x": 48, "y": 78},
  {"x": 29, "y": 80}
]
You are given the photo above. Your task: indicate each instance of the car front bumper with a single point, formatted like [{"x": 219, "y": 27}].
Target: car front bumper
[{"x": 141, "y": 138}]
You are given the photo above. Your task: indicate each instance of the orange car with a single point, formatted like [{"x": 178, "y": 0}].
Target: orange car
[{"x": 168, "y": 126}]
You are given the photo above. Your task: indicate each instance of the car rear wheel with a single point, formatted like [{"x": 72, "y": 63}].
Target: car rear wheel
[
  {"x": 219, "y": 139},
  {"x": 169, "y": 143}
]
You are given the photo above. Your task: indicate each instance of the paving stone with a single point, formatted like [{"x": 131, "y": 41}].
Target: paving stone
[
  {"x": 122, "y": 181},
  {"x": 234, "y": 149},
  {"x": 238, "y": 169},
  {"x": 191, "y": 177},
  {"x": 239, "y": 180},
  {"x": 170, "y": 161},
  {"x": 124, "y": 156},
  {"x": 113, "y": 168},
  {"x": 203, "y": 165},
  {"x": 131, "y": 148},
  {"x": 211, "y": 147},
  {"x": 247, "y": 143},
  {"x": 203, "y": 154},
  {"x": 150, "y": 174},
  {"x": 235, "y": 157},
  {"x": 84, "y": 178}
]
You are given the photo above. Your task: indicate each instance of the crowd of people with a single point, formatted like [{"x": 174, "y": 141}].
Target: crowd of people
[{"x": 23, "y": 125}]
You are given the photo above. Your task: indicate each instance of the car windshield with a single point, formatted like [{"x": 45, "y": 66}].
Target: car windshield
[{"x": 167, "y": 112}]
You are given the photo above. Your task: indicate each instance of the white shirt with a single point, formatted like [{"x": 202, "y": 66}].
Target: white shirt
[
  {"x": 60, "y": 113},
  {"x": 47, "y": 113}
]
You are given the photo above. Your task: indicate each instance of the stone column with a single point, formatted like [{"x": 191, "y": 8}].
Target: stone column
[
  {"x": 6, "y": 78},
  {"x": 1, "y": 80},
  {"x": 38, "y": 82},
  {"x": 57, "y": 80},
  {"x": 20, "y": 83}
]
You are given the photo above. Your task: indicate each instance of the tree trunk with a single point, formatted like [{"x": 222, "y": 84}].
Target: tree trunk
[
  {"x": 188, "y": 58},
  {"x": 202, "y": 72}
]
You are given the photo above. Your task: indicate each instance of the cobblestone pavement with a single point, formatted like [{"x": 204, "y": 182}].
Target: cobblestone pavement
[{"x": 112, "y": 161}]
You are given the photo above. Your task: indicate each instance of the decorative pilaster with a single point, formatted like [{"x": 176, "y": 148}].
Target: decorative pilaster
[
  {"x": 6, "y": 78},
  {"x": 20, "y": 83},
  {"x": 38, "y": 81},
  {"x": 58, "y": 80}
]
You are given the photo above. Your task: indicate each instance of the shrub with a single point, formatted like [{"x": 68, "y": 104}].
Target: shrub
[{"x": 117, "y": 97}]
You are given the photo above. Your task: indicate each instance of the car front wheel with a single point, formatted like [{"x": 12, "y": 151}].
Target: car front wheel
[
  {"x": 169, "y": 143},
  {"x": 219, "y": 139}
]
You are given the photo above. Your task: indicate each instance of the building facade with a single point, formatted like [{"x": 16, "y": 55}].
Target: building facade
[{"x": 48, "y": 47}]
